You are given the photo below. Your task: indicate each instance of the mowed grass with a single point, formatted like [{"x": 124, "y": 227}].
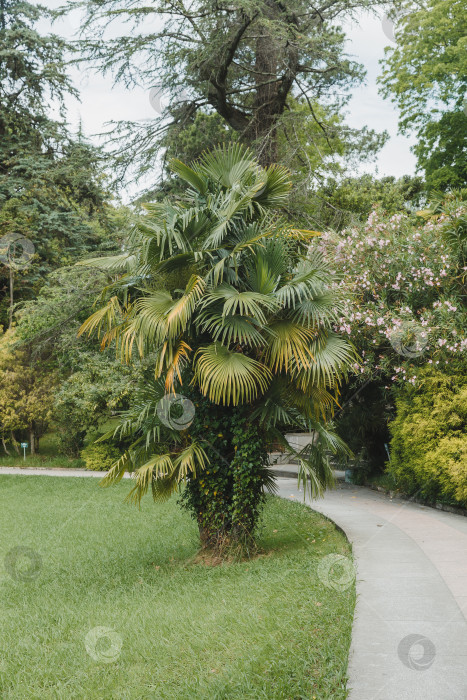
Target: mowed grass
[{"x": 263, "y": 628}]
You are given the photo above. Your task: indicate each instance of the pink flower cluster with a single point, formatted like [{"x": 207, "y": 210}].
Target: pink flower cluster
[{"x": 398, "y": 275}]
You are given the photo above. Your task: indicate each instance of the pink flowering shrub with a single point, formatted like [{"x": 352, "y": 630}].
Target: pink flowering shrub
[
  {"x": 404, "y": 306},
  {"x": 404, "y": 284}
]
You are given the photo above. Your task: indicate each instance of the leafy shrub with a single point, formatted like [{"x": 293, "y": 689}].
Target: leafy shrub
[
  {"x": 100, "y": 457},
  {"x": 404, "y": 310},
  {"x": 86, "y": 398},
  {"x": 429, "y": 438}
]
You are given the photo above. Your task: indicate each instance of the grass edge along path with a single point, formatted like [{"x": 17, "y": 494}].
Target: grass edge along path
[{"x": 100, "y": 600}]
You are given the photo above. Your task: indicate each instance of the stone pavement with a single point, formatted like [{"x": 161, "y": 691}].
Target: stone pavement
[{"x": 409, "y": 636}]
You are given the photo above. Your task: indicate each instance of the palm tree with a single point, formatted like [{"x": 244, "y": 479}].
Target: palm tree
[{"x": 234, "y": 307}]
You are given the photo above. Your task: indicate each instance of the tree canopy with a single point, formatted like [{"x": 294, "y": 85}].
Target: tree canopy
[
  {"x": 246, "y": 61},
  {"x": 52, "y": 187},
  {"x": 426, "y": 75}
]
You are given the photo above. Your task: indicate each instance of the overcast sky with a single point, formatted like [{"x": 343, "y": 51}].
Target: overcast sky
[{"x": 101, "y": 102}]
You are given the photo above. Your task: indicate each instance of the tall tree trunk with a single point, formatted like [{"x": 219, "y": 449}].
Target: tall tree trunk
[
  {"x": 12, "y": 278},
  {"x": 5, "y": 447},
  {"x": 262, "y": 129},
  {"x": 2, "y": 15},
  {"x": 15, "y": 443},
  {"x": 32, "y": 441}
]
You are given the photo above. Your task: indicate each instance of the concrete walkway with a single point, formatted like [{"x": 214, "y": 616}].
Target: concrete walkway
[
  {"x": 44, "y": 471},
  {"x": 409, "y": 637}
]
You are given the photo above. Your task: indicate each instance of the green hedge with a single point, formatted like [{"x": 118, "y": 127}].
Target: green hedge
[
  {"x": 429, "y": 438},
  {"x": 100, "y": 457}
]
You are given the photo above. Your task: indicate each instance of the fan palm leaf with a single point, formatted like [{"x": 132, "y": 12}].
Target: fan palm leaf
[
  {"x": 105, "y": 320},
  {"x": 332, "y": 357},
  {"x": 229, "y": 377},
  {"x": 289, "y": 346},
  {"x": 245, "y": 303},
  {"x": 232, "y": 329}
]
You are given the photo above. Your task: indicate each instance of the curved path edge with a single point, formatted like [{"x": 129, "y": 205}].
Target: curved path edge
[{"x": 409, "y": 636}]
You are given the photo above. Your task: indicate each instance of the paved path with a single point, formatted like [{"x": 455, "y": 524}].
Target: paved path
[
  {"x": 411, "y": 580},
  {"x": 44, "y": 471}
]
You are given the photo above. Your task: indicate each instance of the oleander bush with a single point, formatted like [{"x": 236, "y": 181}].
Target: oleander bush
[
  {"x": 405, "y": 277},
  {"x": 429, "y": 438}
]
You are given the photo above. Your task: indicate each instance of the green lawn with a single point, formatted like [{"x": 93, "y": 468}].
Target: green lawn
[{"x": 265, "y": 628}]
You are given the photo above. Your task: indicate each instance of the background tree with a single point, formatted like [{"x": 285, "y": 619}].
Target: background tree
[
  {"x": 234, "y": 306},
  {"x": 25, "y": 397},
  {"x": 52, "y": 188},
  {"x": 247, "y": 62},
  {"x": 426, "y": 75},
  {"x": 341, "y": 203},
  {"x": 89, "y": 385},
  {"x": 318, "y": 158}
]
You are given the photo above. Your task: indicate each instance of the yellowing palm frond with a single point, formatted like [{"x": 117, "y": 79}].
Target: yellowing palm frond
[
  {"x": 104, "y": 320},
  {"x": 158, "y": 467},
  {"x": 158, "y": 317},
  {"x": 229, "y": 377},
  {"x": 117, "y": 470},
  {"x": 298, "y": 234},
  {"x": 190, "y": 459},
  {"x": 180, "y": 356},
  {"x": 183, "y": 308},
  {"x": 289, "y": 346}
]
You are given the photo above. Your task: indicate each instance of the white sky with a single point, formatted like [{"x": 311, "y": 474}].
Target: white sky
[{"x": 101, "y": 102}]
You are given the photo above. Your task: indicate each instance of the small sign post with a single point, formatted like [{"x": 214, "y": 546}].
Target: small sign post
[{"x": 24, "y": 445}]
